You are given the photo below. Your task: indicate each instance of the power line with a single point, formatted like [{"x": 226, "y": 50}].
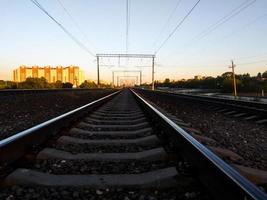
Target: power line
[
  {"x": 224, "y": 19},
  {"x": 245, "y": 26},
  {"x": 177, "y": 26},
  {"x": 35, "y": 2},
  {"x": 75, "y": 22},
  {"x": 167, "y": 22},
  {"x": 127, "y": 21},
  {"x": 222, "y": 63}
]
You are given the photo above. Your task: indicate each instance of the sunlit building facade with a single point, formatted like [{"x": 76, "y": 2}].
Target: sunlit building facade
[{"x": 71, "y": 74}]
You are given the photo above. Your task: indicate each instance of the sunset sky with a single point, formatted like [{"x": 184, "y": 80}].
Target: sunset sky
[{"x": 29, "y": 37}]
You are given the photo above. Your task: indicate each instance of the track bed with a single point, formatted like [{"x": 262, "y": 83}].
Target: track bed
[{"x": 115, "y": 152}]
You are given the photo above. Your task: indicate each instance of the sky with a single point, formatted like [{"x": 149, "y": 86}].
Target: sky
[{"x": 29, "y": 37}]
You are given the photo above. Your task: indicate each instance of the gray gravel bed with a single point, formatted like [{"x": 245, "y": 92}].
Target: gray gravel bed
[
  {"x": 19, "y": 111},
  {"x": 106, "y": 137},
  {"x": 84, "y": 148},
  {"x": 106, "y": 129},
  {"x": 95, "y": 167},
  {"x": 245, "y": 138},
  {"x": 62, "y": 193}
]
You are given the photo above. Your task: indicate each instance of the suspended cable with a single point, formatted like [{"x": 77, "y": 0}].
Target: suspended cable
[
  {"x": 127, "y": 21},
  {"x": 177, "y": 26},
  {"x": 75, "y": 23},
  {"x": 226, "y": 60},
  {"x": 35, "y": 2},
  {"x": 167, "y": 22},
  {"x": 224, "y": 19},
  {"x": 245, "y": 26}
]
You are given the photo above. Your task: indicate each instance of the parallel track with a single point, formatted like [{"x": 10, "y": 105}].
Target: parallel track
[
  {"x": 119, "y": 143},
  {"x": 248, "y": 110}
]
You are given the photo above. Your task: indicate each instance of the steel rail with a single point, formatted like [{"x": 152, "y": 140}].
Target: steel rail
[
  {"x": 253, "y": 107},
  {"x": 15, "y": 146},
  {"x": 221, "y": 179},
  {"x": 215, "y": 97}
]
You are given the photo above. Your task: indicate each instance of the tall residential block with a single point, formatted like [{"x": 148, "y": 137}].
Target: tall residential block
[{"x": 71, "y": 74}]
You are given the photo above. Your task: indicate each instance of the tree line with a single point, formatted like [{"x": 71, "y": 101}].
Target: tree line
[
  {"x": 34, "y": 83},
  {"x": 224, "y": 83},
  {"x": 41, "y": 83}
]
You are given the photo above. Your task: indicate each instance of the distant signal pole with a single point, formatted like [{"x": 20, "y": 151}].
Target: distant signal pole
[
  {"x": 234, "y": 81},
  {"x": 153, "y": 73},
  {"x": 98, "y": 78}
]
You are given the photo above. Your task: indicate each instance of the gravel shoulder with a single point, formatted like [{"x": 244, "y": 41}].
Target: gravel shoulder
[
  {"x": 19, "y": 111},
  {"x": 246, "y": 138}
]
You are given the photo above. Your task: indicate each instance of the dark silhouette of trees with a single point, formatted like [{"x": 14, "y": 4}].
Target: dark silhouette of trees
[
  {"x": 92, "y": 84},
  {"x": 67, "y": 85},
  {"x": 224, "y": 83},
  {"x": 88, "y": 84},
  {"x": 34, "y": 83}
]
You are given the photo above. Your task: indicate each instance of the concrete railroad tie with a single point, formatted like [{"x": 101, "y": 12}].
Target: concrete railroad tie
[
  {"x": 163, "y": 178},
  {"x": 148, "y": 155},
  {"x": 137, "y": 133},
  {"x": 148, "y": 140}
]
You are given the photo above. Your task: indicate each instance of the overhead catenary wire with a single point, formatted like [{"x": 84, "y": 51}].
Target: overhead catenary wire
[
  {"x": 127, "y": 21},
  {"x": 236, "y": 31},
  {"x": 176, "y": 27},
  {"x": 222, "y": 64},
  {"x": 237, "y": 10},
  {"x": 240, "y": 8},
  {"x": 167, "y": 22},
  {"x": 81, "y": 45},
  {"x": 75, "y": 23},
  {"x": 246, "y": 25}
]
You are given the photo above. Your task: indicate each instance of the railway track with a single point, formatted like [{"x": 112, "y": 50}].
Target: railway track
[
  {"x": 118, "y": 147},
  {"x": 247, "y": 110}
]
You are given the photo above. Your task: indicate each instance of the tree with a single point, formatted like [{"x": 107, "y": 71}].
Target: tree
[
  {"x": 227, "y": 85},
  {"x": 2, "y": 84},
  {"x": 67, "y": 85},
  {"x": 88, "y": 84},
  {"x": 227, "y": 74},
  {"x": 167, "y": 81},
  {"x": 34, "y": 83},
  {"x": 264, "y": 74},
  {"x": 259, "y": 76},
  {"x": 58, "y": 84}
]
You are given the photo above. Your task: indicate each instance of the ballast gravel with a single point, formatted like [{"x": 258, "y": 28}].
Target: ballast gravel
[
  {"x": 20, "y": 111},
  {"x": 246, "y": 138},
  {"x": 68, "y": 193}
]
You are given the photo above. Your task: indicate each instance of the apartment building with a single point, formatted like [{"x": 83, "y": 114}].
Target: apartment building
[{"x": 72, "y": 74}]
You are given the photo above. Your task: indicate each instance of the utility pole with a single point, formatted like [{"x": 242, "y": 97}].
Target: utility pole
[
  {"x": 233, "y": 72},
  {"x": 113, "y": 79},
  {"x": 140, "y": 77},
  {"x": 98, "y": 81},
  {"x": 153, "y": 72}
]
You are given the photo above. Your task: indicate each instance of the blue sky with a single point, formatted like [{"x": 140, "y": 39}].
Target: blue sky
[{"x": 28, "y": 36}]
